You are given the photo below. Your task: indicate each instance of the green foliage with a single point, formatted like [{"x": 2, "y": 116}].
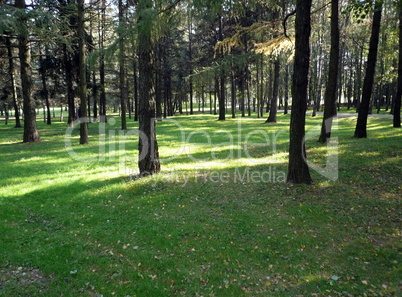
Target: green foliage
[{"x": 362, "y": 9}]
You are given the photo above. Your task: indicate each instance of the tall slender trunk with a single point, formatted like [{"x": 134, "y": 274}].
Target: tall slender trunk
[
  {"x": 148, "y": 159},
  {"x": 102, "y": 97},
  {"x": 221, "y": 96},
  {"x": 397, "y": 100},
  {"x": 30, "y": 131},
  {"x": 45, "y": 90},
  {"x": 135, "y": 82},
  {"x": 298, "y": 168},
  {"x": 68, "y": 65},
  {"x": 158, "y": 78},
  {"x": 361, "y": 125},
  {"x": 233, "y": 92},
  {"x": 190, "y": 57},
  {"x": 274, "y": 101},
  {"x": 286, "y": 107},
  {"x": 82, "y": 75},
  {"x": 122, "y": 70},
  {"x": 95, "y": 95},
  {"x": 358, "y": 81},
  {"x": 11, "y": 71},
  {"x": 330, "y": 91}
]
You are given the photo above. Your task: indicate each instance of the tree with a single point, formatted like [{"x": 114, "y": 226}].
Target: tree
[
  {"x": 397, "y": 102},
  {"x": 148, "y": 160},
  {"x": 31, "y": 133},
  {"x": 361, "y": 125},
  {"x": 221, "y": 91},
  {"x": 274, "y": 100},
  {"x": 298, "y": 171},
  {"x": 13, "y": 84},
  {"x": 330, "y": 91},
  {"x": 45, "y": 91},
  {"x": 82, "y": 74},
  {"x": 122, "y": 75},
  {"x": 102, "y": 97}
]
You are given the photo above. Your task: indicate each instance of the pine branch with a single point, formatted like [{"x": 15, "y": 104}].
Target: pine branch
[{"x": 169, "y": 7}]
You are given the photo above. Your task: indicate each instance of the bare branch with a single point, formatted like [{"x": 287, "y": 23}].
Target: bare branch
[{"x": 284, "y": 22}]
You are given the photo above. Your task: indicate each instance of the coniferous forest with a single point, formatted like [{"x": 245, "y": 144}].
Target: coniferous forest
[{"x": 200, "y": 148}]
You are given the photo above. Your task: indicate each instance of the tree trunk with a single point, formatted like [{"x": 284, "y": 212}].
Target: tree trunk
[
  {"x": 158, "y": 78},
  {"x": 82, "y": 75},
  {"x": 361, "y": 126},
  {"x": 274, "y": 100},
  {"x": 95, "y": 95},
  {"x": 45, "y": 91},
  {"x": 190, "y": 57},
  {"x": 298, "y": 168},
  {"x": 30, "y": 131},
  {"x": 286, "y": 107},
  {"x": 148, "y": 159},
  {"x": 122, "y": 74},
  {"x": 135, "y": 82},
  {"x": 233, "y": 92},
  {"x": 397, "y": 100},
  {"x": 102, "y": 96},
  {"x": 13, "y": 84},
  {"x": 330, "y": 91},
  {"x": 221, "y": 95}
]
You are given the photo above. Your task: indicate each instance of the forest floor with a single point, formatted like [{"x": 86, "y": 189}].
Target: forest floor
[{"x": 219, "y": 220}]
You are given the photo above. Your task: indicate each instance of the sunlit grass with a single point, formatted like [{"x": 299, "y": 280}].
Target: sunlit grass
[{"x": 217, "y": 221}]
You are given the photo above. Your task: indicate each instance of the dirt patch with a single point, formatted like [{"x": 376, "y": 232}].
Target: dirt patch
[{"x": 22, "y": 279}]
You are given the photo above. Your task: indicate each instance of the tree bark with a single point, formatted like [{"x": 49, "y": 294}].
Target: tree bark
[
  {"x": 102, "y": 97},
  {"x": 148, "y": 160},
  {"x": 190, "y": 57},
  {"x": 330, "y": 91},
  {"x": 82, "y": 75},
  {"x": 31, "y": 133},
  {"x": 361, "y": 126},
  {"x": 135, "y": 82},
  {"x": 13, "y": 84},
  {"x": 274, "y": 100},
  {"x": 397, "y": 100},
  {"x": 122, "y": 74},
  {"x": 45, "y": 91},
  {"x": 286, "y": 107},
  {"x": 221, "y": 94},
  {"x": 233, "y": 92},
  {"x": 298, "y": 171}
]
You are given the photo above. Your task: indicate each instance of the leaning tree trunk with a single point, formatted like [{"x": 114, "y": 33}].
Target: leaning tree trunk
[
  {"x": 82, "y": 75},
  {"x": 298, "y": 168},
  {"x": 397, "y": 100},
  {"x": 361, "y": 126},
  {"x": 330, "y": 91},
  {"x": 148, "y": 159},
  {"x": 30, "y": 131}
]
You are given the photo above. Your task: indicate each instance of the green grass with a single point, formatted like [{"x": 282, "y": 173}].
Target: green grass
[{"x": 89, "y": 227}]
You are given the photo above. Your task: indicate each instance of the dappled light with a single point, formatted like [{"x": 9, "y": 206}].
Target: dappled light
[{"x": 200, "y": 148}]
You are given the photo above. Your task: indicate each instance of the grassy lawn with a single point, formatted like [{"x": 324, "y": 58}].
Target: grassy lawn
[{"x": 218, "y": 220}]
